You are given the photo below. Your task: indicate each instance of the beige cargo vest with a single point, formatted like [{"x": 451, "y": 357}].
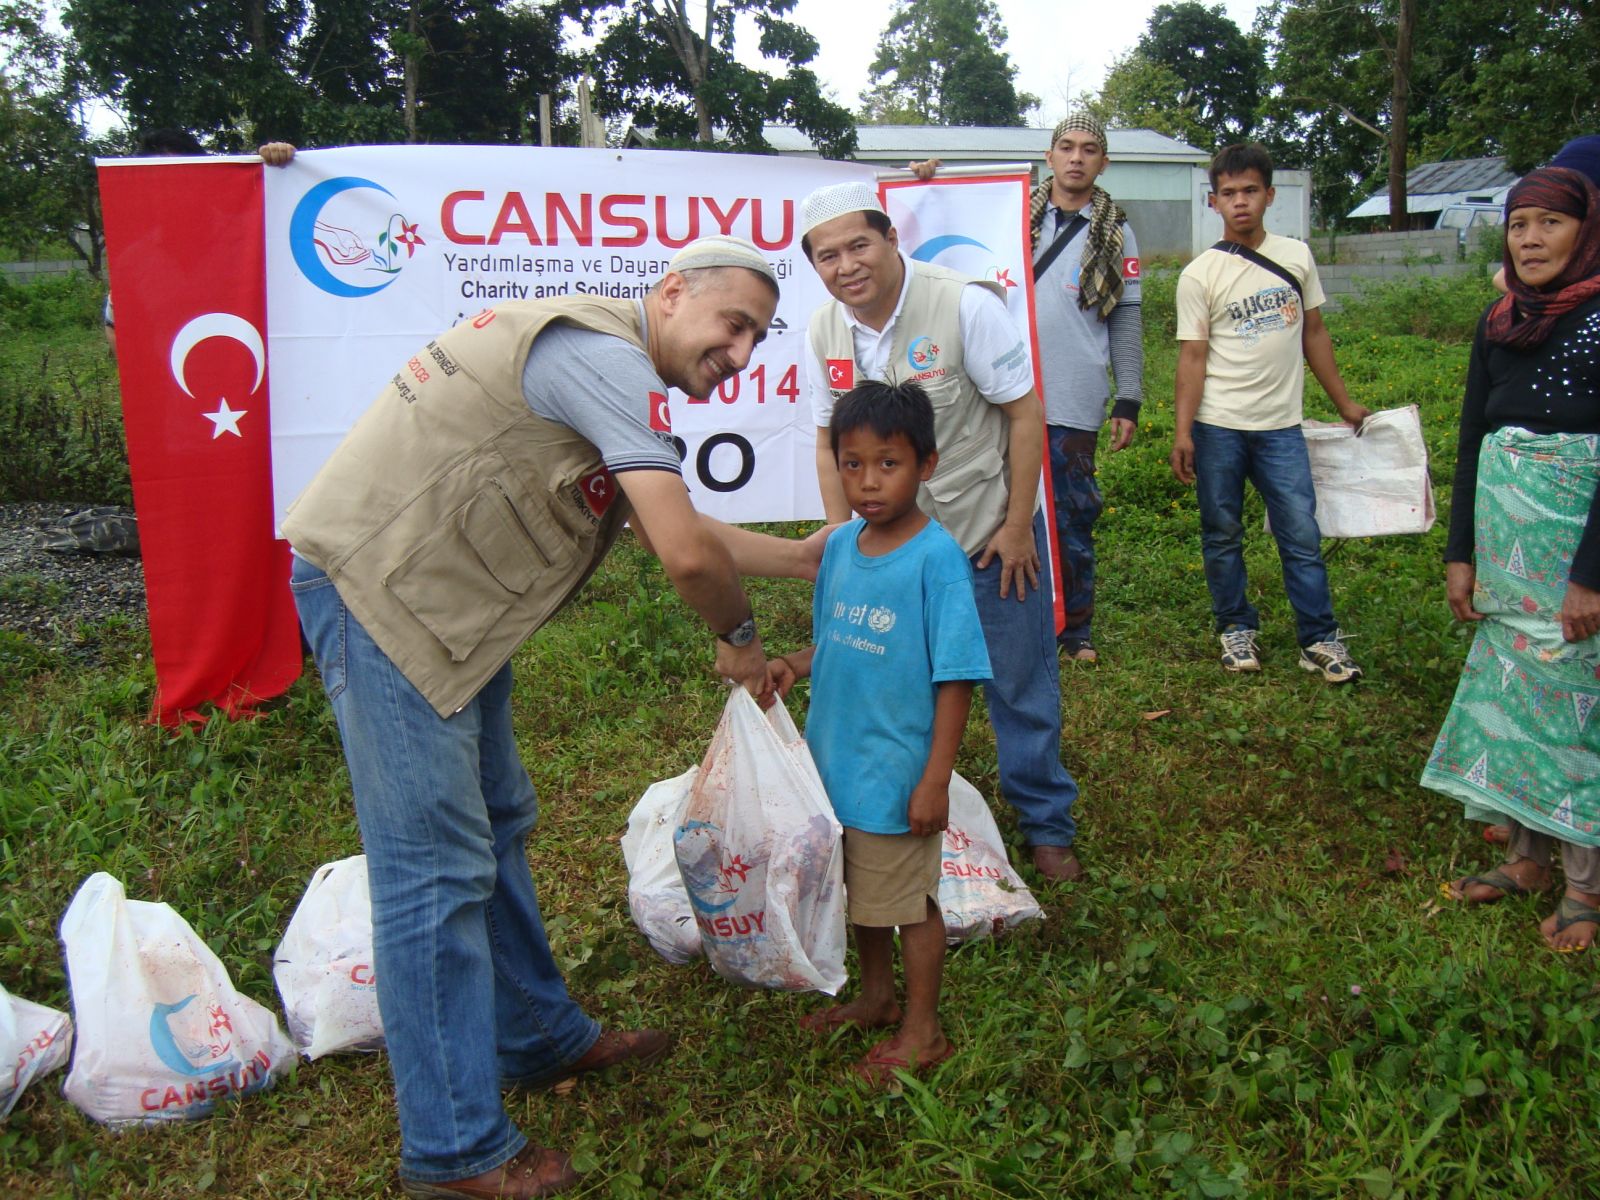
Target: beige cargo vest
[
  {"x": 968, "y": 491},
  {"x": 452, "y": 519}
]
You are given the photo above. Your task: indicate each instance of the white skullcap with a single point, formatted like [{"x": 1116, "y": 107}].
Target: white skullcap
[
  {"x": 722, "y": 251},
  {"x": 837, "y": 200}
]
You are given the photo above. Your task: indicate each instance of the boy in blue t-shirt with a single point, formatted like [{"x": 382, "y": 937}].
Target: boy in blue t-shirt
[{"x": 898, "y": 648}]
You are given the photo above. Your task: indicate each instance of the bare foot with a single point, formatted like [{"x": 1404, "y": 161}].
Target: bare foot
[
  {"x": 1572, "y": 926},
  {"x": 859, "y": 1012},
  {"x": 903, "y": 1052},
  {"x": 1524, "y": 874}
]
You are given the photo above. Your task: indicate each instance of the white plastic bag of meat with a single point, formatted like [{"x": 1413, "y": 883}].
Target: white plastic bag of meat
[
  {"x": 656, "y": 895},
  {"x": 323, "y": 966},
  {"x": 760, "y": 854},
  {"x": 34, "y": 1040},
  {"x": 979, "y": 892},
  {"x": 162, "y": 1033}
]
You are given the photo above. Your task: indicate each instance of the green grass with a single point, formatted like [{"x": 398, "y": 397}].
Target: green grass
[{"x": 1256, "y": 993}]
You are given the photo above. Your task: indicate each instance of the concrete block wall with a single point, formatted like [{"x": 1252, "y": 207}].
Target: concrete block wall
[
  {"x": 1420, "y": 244},
  {"x": 27, "y": 272},
  {"x": 1340, "y": 280}
]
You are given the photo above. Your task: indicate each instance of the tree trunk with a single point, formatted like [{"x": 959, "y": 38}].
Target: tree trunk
[
  {"x": 1399, "y": 106},
  {"x": 411, "y": 74}
]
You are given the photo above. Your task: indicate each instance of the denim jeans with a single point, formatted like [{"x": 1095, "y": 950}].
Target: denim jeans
[
  {"x": 1275, "y": 460},
  {"x": 468, "y": 990},
  {"x": 1024, "y": 700},
  {"x": 1077, "y": 505}
]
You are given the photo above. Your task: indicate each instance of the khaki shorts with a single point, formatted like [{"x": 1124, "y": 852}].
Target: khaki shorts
[{"x": 890, "y": 877}]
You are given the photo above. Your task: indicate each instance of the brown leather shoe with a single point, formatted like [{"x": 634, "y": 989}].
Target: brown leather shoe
[
  {"x": 638, "y": 1047},
  {"x": 532, "y": 1171},
  {"x": 1058, "y": 864}
]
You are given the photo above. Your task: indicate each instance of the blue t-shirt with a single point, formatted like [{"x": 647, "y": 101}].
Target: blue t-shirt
[{"x": 888, "y": 631}]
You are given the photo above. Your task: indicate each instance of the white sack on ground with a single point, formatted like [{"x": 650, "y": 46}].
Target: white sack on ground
[
  {"x": 323, "y": 966},
  {"x": 979, "y": 892},
  {"x": 162, "y": 1033},
  {"x": 34, "y": 1040}
]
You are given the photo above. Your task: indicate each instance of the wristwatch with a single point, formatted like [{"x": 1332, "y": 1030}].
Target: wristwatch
[{"x": 741, "y": 635}]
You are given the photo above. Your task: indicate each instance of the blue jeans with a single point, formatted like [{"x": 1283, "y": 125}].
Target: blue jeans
[
  {"x": 1275, "y": 460},
  {"x": 468, "y": 990},
  {"x": 1077, "y": 505},
  {"x": 1024, "y": 700}
]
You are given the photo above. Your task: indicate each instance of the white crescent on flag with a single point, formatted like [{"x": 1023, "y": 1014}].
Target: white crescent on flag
[{"x": 223, "y": 325}]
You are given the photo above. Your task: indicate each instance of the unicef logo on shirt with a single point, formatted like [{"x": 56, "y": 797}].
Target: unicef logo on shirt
[{"x": 880, "y": 620}]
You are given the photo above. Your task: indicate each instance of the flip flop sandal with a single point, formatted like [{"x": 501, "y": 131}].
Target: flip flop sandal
[
  {"x": 1570, "y": 912},
  {"x": 1496, "y": 879},
  {"x": 826, "y": 1020},
  {"x": 879, "y": 1065}
]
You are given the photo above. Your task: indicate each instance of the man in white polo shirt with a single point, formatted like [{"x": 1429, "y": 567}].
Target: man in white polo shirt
[{"x": 901, "y": 321}]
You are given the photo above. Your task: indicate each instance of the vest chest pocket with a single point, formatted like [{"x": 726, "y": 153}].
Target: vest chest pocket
[{"x": 464, "y": 575}]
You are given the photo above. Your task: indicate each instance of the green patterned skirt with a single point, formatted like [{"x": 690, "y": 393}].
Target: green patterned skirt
[{"x": 1522, "y": 739}]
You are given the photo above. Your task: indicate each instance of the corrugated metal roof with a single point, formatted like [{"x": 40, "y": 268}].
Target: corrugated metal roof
[
  {"x": 1378, "y": 206},
  {"x": 957, "y": 142},
  {"x": 1458, "y": 175},
  {"x": 1432, "y": 186}
]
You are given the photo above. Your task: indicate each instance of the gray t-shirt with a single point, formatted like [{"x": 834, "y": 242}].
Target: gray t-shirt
[
  {"x": 1074, "y": 343},
  {"x": 605, "y": 389}
]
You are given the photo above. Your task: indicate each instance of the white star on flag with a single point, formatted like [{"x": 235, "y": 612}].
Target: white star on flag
[{"x": 225, "y": 419}]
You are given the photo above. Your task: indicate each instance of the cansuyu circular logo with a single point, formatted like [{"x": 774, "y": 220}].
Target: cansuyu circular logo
[{"x": 342, "y": 243}]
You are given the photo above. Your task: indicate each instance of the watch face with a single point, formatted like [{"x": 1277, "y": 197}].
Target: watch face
[{"x": 742, "y": 634}]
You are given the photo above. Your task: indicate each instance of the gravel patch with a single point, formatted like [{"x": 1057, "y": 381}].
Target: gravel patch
[{"x": 46, "y": 596}]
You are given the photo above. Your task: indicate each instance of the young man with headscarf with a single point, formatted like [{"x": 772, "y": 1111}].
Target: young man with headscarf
[{"x": 1086, "y": 293}]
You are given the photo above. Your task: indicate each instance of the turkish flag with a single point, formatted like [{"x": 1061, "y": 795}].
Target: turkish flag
[
  {"x": 841, "y": 373},
  {"x": 187, "y": 264}
]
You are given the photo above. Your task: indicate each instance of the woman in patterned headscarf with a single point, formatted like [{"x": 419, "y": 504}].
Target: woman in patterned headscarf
[{"x": 1522, "y": 741}]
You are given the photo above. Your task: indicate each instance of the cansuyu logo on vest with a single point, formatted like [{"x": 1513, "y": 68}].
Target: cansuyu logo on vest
[{"x": 348, "y": 241}]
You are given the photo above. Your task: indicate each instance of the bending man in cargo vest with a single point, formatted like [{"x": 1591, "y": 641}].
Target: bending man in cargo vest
[
  {"x": 899, "y": 321},
  {"x": 467, "y": 505}
]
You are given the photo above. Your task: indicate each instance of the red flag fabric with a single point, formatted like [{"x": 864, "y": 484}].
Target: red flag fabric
[{"x": 187, "y": 264}]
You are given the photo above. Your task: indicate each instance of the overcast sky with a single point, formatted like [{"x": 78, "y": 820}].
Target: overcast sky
[{"x": 1059, "y": 47}]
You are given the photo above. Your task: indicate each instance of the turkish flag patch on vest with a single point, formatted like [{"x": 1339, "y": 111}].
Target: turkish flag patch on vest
[{"x": 599, "y": 488}]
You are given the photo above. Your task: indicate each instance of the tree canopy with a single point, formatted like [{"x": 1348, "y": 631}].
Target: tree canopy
[
  {"x": 1221, "y": 68},
  {"x": 940, "y": 62},
  {"x": 1316, "y": 81},
  {"x": 323, "y": 71},
  {"x": 653, "y": 63}
]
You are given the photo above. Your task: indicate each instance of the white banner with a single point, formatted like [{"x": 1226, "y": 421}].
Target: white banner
[
  {"x": 372, "y": 251},
  {"x": 975, "y": 224},
  {"x": 978, "y": 225}
]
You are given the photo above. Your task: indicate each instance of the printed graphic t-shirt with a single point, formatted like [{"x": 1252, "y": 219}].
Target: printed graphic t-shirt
[
  {"x": 888, "y": 631},
  {"x": 1253, "y": 322}
]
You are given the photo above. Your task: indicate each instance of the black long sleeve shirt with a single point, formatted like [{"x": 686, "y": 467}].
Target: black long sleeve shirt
[{"x": 1552, "y": 388}]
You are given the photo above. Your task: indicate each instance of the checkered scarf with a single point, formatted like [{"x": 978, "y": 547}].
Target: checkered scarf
[{"x": 1100, "y": 277}]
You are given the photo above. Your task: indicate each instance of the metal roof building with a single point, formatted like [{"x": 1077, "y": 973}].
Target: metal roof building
[
  {"x": 1151, "y": 175},
  {"x": 1433, "y": 186}
]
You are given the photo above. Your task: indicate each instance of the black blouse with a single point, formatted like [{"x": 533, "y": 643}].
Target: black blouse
[{"x": 1552, "y": 388}]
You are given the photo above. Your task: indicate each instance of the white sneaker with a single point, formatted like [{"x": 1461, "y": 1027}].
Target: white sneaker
[
  {"x": 1330, "y": 659},
  {"x": 1239, "y": 651}
]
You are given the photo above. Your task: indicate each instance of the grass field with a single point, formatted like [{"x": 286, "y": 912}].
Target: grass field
[{"x": 1257, "y": 993}]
